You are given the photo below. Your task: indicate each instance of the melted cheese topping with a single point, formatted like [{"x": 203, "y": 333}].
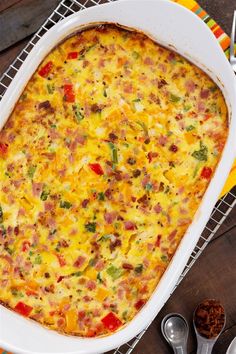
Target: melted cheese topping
[{"x": 103, "y": 164}]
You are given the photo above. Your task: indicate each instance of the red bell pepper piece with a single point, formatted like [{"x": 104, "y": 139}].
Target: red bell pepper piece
[
  {"x": 139, "y": 304},
  {"x": 61, "y": 260},
  {"x": 3, "y": 148},
  {"x": 25, "y": 246},
  {"x": 206, "y": 172},
  {"x": 23, "y": 309},
  {"x": 69, "y": 93},
  {"x": 72, "y": 55},
  {"x": 96, "y": 167},
  {"x": 111, "y": 322},
  {"x": 31, "y": 292},
  {"x": 81, "y": 315},
  {"x": 45, "y": 70}
]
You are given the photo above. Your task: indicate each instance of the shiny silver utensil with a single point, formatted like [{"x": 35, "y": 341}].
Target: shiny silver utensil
[
  {"x": 232, "y": 44},
  {"x": 205, "y": 345},
  {"x": 175, "y": 330}
]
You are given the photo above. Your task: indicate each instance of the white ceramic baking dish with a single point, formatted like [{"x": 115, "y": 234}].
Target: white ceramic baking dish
[{"x": 173, "y": 26}]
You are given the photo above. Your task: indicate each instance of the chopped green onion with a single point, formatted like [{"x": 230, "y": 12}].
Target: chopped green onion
[
  {"x": 174, "y": 98},
  {"x": 99, "y": 277},
  {"x": 187, "y": 107},
  {"x": 38, "y": 259},
  {"x": 104, "y": 93},
  {"x": 91, "y": 226},
  {"x": 135, "y": 55},
  {"x": 106, "y": 237},
  {"x": 65, "y": 205},
  {"x": 44, "y": 195},
  {"x": 148, "y": 186},
  {"x": 50, "y": 88},
  {"x": 196, "y": 169},
  {"x": 138, "y": 269},
  {"x": 113, "y": 152},
  {"x": 202, "y": 153},
  {"x": 92, "y": 262},
  {"x": 78, "y": 115},
  {"x": 114, "y": 272},
  {"x": 164, "y": 258},
  {"x": 31, "y": 171},
  {"x": 143, "y": 126},
  {"x": 101, "y": 196},
  {"x": 189, "y": 128}
]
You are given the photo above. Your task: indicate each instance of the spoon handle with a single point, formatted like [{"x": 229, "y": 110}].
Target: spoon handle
[
  {"x": 204, "y": 348},
  {"x": 180, "y": 350}
]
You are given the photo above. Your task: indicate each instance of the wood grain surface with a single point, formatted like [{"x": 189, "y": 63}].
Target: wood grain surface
[{"x": 214, "y": 273}]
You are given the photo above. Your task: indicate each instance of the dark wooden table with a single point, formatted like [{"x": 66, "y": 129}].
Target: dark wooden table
[{"x": 214, "y": 274}]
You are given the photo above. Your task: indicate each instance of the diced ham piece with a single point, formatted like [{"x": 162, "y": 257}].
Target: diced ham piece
[
  {"x": 172, "y": 235},
  {"x": 100, "y": 265},
  {"x": 162, "y": 140},
  {"x": 87, "y": 110},
  {"x": 17, "y": 183},
  {"x": 79, "y": 261},
  {"x": 184, "y": 221},
  {"x": 181, "y": 190},
  {"x": 37, "y": 189},
  {"x": 204, "y": 94},
  {"x": 171, "y": 56},
  {"x": 91, "y": 285},
  {"x": 5, "y": 189},
  {"x": 51, "y": 223},
  {"x": 150, "y": 247},
  {"x": 128, "y": 87},
  {"x": 62, "y": 172},
  {"x": 48, "y": 206},
  {"x": 190, "y": 86},
  {"x": 101, "y": 63},
  {"x": 54, "y": 134},
  {"x": 129, "y": 225},
  {"x": 120, "y": 293},
  {"x": 80, "y": 139},
  {"x": 145, "y": 181},
  {"x": 157, "y": 208},
  {"x": 110, "y": 217},
  {"x": 11, "y": 138},
  {"x": 146, "y": 262},
  {"x": 183, "y": 211},
  {"x": 201, "y": 106},
  {"x": 148, "y": 61},
  {"x": 21, "y": 212},
  {"x": 87, "y": 298},
  {"x": 162, "y": 67}
]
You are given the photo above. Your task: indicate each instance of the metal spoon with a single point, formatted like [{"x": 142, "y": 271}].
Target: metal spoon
[
  {"x": 205, "y": 345},
  {"x": 174, "y": 328}
]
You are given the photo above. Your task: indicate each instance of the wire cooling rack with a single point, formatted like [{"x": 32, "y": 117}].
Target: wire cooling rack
[{"x": 222, "y": 208}]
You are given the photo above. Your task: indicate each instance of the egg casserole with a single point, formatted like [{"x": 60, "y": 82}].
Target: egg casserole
[{"x": 103, "y": 164}]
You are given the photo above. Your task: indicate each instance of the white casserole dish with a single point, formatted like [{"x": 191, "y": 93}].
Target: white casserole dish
[{"x": 173, "y": 26}]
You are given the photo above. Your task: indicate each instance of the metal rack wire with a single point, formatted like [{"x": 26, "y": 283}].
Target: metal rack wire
[{"x": 222, "y": 208}]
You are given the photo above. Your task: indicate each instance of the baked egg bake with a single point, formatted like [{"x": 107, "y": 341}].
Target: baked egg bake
[{"x": 103, "y": 164}]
